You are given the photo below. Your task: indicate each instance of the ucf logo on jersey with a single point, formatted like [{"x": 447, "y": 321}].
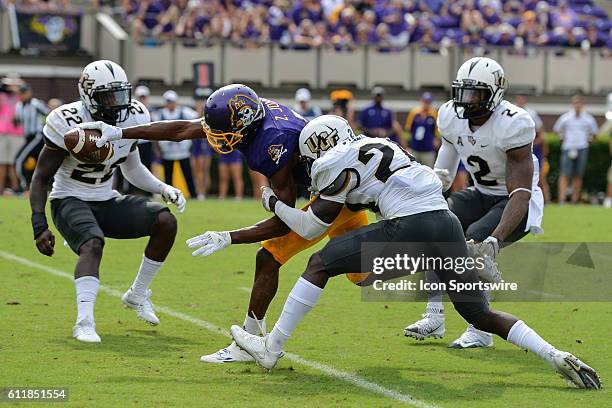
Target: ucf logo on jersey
[{"x": 323, "y": 141}]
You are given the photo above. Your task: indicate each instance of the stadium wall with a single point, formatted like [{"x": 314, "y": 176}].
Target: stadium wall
[{"x": 541, "y": 71}]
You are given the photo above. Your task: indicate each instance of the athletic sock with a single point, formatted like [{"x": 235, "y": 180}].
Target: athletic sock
[
  {"x": 146, "y": 273},
  {"x": 302, "y": 298},
  {"x": 434, "y": 301},
  {"x": 86, "y": 292},
  {"x": 251, "y": 325},
  {"x": 526, "y": 338}
]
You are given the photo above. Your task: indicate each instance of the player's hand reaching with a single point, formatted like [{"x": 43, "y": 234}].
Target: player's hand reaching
[
  {"x": 209, "y": 242},
  {"x": 489, "y": 247},
  {"x": 444, "y": 176},
  {"x": 45, "y": 242},
  {"x": 175, "y": 196},
  {"x": 266, "y": 194},
  {"x": 109, "y": 133}
]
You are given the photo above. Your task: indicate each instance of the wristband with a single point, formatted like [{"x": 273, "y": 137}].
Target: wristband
[
  {"x": 272, "y": 202},
  {"x": 39, "y": 223}
]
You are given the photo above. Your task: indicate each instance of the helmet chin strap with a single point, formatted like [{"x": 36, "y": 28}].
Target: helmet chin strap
[{"x": 102, "y": 118}]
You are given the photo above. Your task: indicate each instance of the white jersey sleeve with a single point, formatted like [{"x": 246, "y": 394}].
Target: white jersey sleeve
[
  {"x": 61, "y": 120},
  {"x": 446, "y": 115},
  {"x": 517, "y": 129},
  {"x": 327, "y": 176}
]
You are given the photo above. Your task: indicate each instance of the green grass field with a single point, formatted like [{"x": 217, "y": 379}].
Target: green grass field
[{"x": 375, "y": 365}]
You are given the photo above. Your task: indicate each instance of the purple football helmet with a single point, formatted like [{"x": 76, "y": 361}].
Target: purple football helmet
[{"x": 230, "y": 112}]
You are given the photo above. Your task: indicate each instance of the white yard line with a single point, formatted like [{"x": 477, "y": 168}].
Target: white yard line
[{"x": 324, "y": 368}]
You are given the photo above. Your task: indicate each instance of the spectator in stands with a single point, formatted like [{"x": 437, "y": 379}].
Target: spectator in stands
[
  {"x": 342, "y": 40},
  {"x": 303, "y": 105},
  {"x": 563, "y": 16},
  {"x": 377, "y": 121},
  {"x": 594, "y": 38},
  {"x": 504, "y": 37},
  {"x": 307, "y": 10},
  {"x": 383, "y": 38},
  {"x": 471, "y": 18},
  {"x": 305, "y": 36},
  {"x": 423, "y": 132},
  {"x": 180, "y": 152},
  {"x": 530, "y": 29},
  {"x": 30, "y": 114},
  {"x": 146, "y": 20},
  {"x": 11, "y": 134},
  {"x": 201, "y": 157},
  {"x": 540, "y": 146},
  {"x": 576, "y": 129},
  {"x": 278, "y": 22}
]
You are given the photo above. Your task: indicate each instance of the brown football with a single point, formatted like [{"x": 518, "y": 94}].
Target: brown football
[{"x": 81, "y": 143}]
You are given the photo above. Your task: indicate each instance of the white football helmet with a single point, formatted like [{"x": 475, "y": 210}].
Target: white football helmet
[
  {"x": 105, "y": 91},
  {"x": 479, "y": 87},
  {"x": 321, "y": 134}
]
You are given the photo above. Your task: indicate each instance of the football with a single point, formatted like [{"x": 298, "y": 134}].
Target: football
[{"x": 81, "y": 143}]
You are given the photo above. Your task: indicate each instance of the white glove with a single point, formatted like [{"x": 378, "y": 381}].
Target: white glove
[
  {"x": 175, "y": 196},
  {"x": 489, "y": 247},
  {"x": 209, "y": 242},
  {"x": 109, "y": 133},
  {"x": 444, "y": 176},
  {"x": 266, "y": 194}
]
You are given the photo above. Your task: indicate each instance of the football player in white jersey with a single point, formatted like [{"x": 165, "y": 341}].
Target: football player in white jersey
[
  {"x": 407, "y": 197},
  {"x": 493, "y": 139},
  {"x": 84, "y": 206}
]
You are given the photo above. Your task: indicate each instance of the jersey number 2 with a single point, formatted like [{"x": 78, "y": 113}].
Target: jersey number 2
[
  {"x": 383, "y": 171},
  {"x": 483, "y": 170}
]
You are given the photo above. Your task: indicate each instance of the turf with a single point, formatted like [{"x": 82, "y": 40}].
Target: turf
[{"x": 137, "y": 365}]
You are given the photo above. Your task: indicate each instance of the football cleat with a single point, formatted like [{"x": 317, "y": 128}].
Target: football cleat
[
  {"x": 473, "y": 338},
  {"x": 230, "y": 354},
  {"x": 85, "y": 331},
  {"x": 575, "y": 372},
  {"x": 141, "y": 305},
  {"x": 256, "y": 347},
  {"x": 431, "y": 325}
]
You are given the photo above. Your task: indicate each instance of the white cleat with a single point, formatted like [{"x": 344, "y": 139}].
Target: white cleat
[
  {"x": 431, "y": 325},
  {"x": 256, "y": 347},
  {"x": 473, "y": 338},
  {"x": 230, "y": 354},
  {"x": 575, "y": 372},
  {"x": 85, "y": 331},
  {"x": 141, "y": 305}
]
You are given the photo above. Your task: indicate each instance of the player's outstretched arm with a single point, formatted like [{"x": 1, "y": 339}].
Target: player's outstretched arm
[
  {"x": 137, "y": 174},
  {"x": 173, "y": 130},
  {"x": 519, "y": 174},
  {"x": 212, "y": 241},
  {"x": 49, "y": 160},
  {"x": 284, "y": 188}
]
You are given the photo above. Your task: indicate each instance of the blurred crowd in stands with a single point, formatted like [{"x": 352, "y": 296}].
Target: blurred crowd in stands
[{"x": 390, "y": 25}]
